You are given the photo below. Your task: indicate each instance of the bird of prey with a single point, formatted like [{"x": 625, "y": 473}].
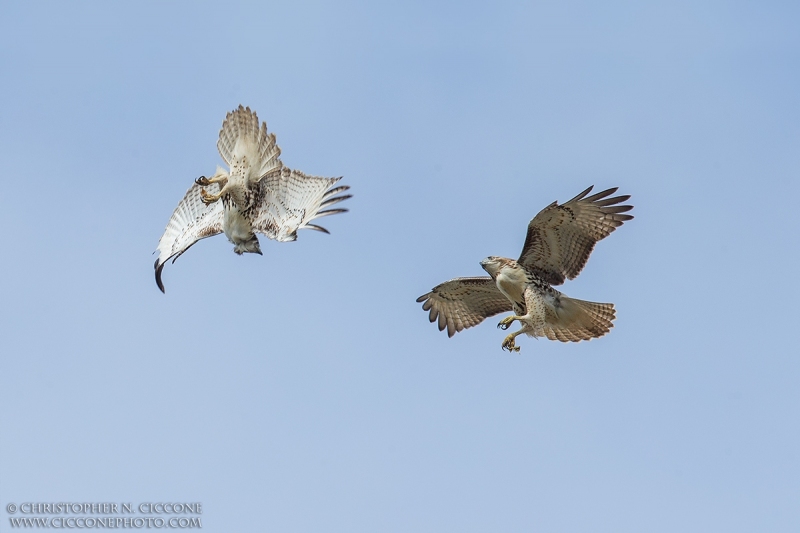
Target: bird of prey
[
  {"x": 559, "y": 241},
  {"x": 257, "y": 195}
]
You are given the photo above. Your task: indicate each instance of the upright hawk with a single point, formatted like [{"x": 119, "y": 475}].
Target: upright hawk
[
  {"x": 258, "y": 194},
  {"x": 559, "y": 241}
]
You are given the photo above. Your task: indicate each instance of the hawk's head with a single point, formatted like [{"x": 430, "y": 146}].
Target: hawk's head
[
  {"x": 492, "y": 265},
  {"x": 250, "y": 246}
]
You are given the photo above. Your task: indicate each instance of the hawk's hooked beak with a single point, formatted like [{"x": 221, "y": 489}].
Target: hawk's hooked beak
[{"x": 489, "y": 266}]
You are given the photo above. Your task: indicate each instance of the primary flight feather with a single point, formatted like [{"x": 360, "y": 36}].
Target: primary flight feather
[{"x": 258, "y": 194}]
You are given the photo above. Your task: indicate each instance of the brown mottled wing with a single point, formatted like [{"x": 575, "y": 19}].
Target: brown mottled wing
[
  {"x": 464, "y": 302},
  {"x": 561, "y": 237},
  {"x": 290, "y": 200},
  {"x": 191, "y": 221}
]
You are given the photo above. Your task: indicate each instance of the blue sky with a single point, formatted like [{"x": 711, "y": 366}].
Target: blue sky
[{"x": 305, "y": 390}]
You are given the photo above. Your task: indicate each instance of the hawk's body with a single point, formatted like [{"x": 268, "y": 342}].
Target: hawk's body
[
  {"x": 559, "y": 241},
  {"x": 258, "y": 195}
]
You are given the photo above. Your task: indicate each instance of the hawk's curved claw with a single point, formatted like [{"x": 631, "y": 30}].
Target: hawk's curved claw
[
  {"x": 506, "y": 322},
  {"x": 508, "y": 344},
  {"x": 202, "y": 181},
  {"x": 207, "y": 198}
]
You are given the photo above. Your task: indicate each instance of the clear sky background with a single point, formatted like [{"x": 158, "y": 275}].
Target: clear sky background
[{"x": 305, "y": 390}]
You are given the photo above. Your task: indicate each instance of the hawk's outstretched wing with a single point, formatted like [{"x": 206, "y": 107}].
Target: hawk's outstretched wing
[
  {"x": 290, "y": 200},
  {"x": 464, "y": 302},
  {"x": 241, "y": 127},
  {"x": 561, "y": 237},
  {"x": 191, "y": 221}
]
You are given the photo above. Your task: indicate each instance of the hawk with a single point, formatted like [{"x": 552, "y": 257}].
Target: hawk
[
  {"x": 258, "y": 194},
  {"x": 559, "y": 241}
]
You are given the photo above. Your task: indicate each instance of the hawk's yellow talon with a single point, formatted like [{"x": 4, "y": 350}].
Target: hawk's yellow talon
[
  {"x": 508, "y": 344},
  {"x": 208, "y": 198},
  {"x": 507, "y": 321}
]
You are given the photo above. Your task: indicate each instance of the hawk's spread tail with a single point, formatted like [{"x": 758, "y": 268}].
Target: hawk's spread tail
[
  {"x": 241, "y": 135},
  {"x": 577, "y": 320}
]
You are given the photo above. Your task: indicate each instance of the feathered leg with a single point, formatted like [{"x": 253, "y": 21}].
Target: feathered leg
[{"x": 532, "y": 322}]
